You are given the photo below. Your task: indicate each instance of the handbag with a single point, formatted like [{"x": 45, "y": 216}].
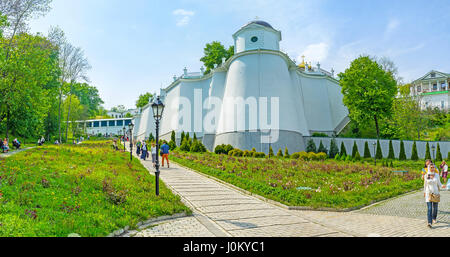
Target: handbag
[{"x": 434, "y": 198}]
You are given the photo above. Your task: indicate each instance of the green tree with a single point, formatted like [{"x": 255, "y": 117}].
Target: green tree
[
  {"x": 438, "y": 153},
  {"x": 271, "y": 154},
  {"x": 369, "y": 91},
  {"x": 343, "y": 150},
  {"x": 311, "y": 146},
  {"x": 427, "y": 152},
  {"x": 151, "y": 138},
  {"x": 379, "y": 153},
  {"x": 355, "y": 149},
  {"x": 334, "y": 150},
  {"x": 414, "y": 155},
  {"x": 402, "y": 155},
  {"x": 286, "y": 153},
  {"x": 367, "y": 150},
  {"x": 322, "y": 148},
  {"x": 391, "y": 154},
  {"x": 280, "y": 153},
  {"x": 213, "y": 54},
  {"x": 143, "y": 100},
  {"x": 183, "y": 136}
]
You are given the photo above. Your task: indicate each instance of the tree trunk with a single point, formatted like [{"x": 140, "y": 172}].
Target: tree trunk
[
  {"x": 68, "y": 116},
  {"x": 376, "y": 124},
  {"x": 59, "y": 115},
  {"x": 7, "y": 122}
]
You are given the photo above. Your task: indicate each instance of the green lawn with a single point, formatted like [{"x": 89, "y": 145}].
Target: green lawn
[
  {"x": 87, "y": 189},
  {"x": 333, "y": 184}
]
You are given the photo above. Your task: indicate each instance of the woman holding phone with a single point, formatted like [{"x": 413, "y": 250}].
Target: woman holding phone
[{"x": 432, "y": 185}]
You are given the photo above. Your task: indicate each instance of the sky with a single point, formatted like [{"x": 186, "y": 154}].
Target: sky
[{"x": 137, "y": 46}]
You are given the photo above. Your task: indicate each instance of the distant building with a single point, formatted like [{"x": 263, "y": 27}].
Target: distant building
[
  {"x": 110, "y": 127},
  {"x": 432, "y": 90},
  {"x": 117, "y": 115}
]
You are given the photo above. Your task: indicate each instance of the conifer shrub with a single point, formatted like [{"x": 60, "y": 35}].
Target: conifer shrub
[
  {"x": 391, "y": 154},
  {"x": 286, "y": 153},
  {"x": 414, "y": 155},
  {"x": 322, "y": 148},
  {"x": 402, "y": 155},
  {"x": 427, "y": 152},
  {"x": 343, "y": 150},
  {"x": 334, "y": 150},
  {"x": 367, "y": 150},
  {"x": 379, "y": 153},
  {"x": 354, "y": 150},
  {"x": 280, "y": 153},
  {"x": 311, "y": 146},
  {"x": 438, "y": 153}
]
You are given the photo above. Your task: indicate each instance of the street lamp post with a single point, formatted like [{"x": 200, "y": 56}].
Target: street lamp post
[
  {"x": 124, "y": 131},
  {"x": 374, "y": 152},
  {"x": 131, "y": 125},
  {"x": 158, "y": 109}
]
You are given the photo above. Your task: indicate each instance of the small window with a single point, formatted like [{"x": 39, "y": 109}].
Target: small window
[
  {"x": 433, "y": 75},
  {"x": 434, "y": 87},
  {"x": 254, "y": 39},
  {"x": 112, "y": 123},
  {"x": 419, "y": 88},
  {"x": 104, "y": 123}
]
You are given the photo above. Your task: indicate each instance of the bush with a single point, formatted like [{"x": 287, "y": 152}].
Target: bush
[
  {"x": 219, "y": 149},
  {"x": 427, "y": 153},
  {"x": 367, "y": 150},
  {"x": 391, "y": 154},
  {"x": 321, "y": 156},
  {"x": 357, "y": 156},
  {"x": 354, "y": 150},
  {"x": 438, "y": 153},
  {"x": 247, "y": 154},
  {"x": 322, "y": 148},
  {"x": 185, "y": 146},
  {"x": 337, "y": 157},
  {"x": 402, "y": 155},
  {"x": 334, "y": 150},
  {"x": 172, "y": 145},
  {"x": 414, "y": 155},
  {"x": 295, "y": 156},
  {"x": 197, "y": 147},
  {"x": 259, "y": 155},
  {"x": 348, "y": 158},
  {"x": 311, "y": 146},
  {"x": 303, "y": 156},
  {"x": 271, "y": 154},
  {"x": 343, "y": 150},
  {"x": 236, "y": 153},
  {"x": 223, "y": 149},
  {"x": 280, "y": 153},
  {"x": 379, "y": 154},
  {"x": 312, "y": 156},
  {"x": 316, "y": 134},
  {"x": 286, "y": 153}
]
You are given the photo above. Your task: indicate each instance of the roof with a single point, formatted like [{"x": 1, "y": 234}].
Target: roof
[{"x": 259, "y": 22}]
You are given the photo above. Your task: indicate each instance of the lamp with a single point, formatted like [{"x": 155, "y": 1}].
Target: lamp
[
  {"x": 131, "y": 126},
  {"x": 158, "y": 110}
]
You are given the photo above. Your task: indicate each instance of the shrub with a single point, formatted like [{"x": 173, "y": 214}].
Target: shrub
[
  {"x": 185, "y": 146},
  {"x": 391, "y": 154},
  {"x": 295, "y": 156},
  {"x": 367, "y": 150},
  {"x": 312, "y": 156},
  {"x": 343, "y": 157},
  {"x": 402, "y": 155},
  {"x": 303, "y": 155},
  {"x": 354, "y": 150},
  {"x": 173, "y": 138},
  {"x": 343, "y": 150},
  {"x": 438, "y": 153},
  {"x": 271, "y": 154},
  {"x": 247, "y": 154},
  {"x": 379, "y": 154},
  {"x": 286, "y": 153},
  {"x": 219, "y": 149},
  {"x": 348, "y": 158},
  {"x": 172, "y": 145},
  {"x": 280, "y": 153},
  {"x": 414, "y": 155},
  {"x": 253, "y": 149},
  {"x": 322, "y": 148},
  {"x": 182, "y": 136},
  {"x": 427, "y": 153},
  {"x": 236, "y": 153},
  {"x": 151, "y": 137},
  {"x": 197, "y": 147},
  {"x": 259, "y": 155},
  {"x": 228, "y": 148},
  {"x": 317, "y": 134},
  {"x": 337, "y": 157},
  {"x": 311, "y": 146},
  {"x": 334, "y": 150},
  {"x": 357, "y": 156},
  {"x": 322, "y": 156}
]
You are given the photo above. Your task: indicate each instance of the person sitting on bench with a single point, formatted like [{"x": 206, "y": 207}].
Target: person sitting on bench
[
  {"x": 16, "y": 144},
  {"x": 5, "y": 146}
]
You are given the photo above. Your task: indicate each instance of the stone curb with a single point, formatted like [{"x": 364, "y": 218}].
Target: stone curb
[
  {"x": 293, "y": 208},
  {"x": 145, "y": 224}
]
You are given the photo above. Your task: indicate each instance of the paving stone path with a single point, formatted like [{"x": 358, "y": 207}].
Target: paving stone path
[{"x": 222, "y": 211}]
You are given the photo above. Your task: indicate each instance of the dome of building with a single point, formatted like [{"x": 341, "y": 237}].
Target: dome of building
[{"x": 262, "y": 23}]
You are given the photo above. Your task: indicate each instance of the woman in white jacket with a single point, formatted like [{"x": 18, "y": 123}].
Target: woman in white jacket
[{"x": 432, "y": 185}]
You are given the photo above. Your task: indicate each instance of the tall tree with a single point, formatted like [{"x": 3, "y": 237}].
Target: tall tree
[
  {"x": 368, "y": 91},
  {"x": 213, "y": 54},
  {"x": 143, "y": 100},
  {"x": 89, "y": 97}
]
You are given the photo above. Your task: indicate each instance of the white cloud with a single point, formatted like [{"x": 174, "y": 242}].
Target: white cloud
[
  {"x": 391, "y": 27},
  {"x": 315, "y": 52},
  {"x": 183, "y": 16}
]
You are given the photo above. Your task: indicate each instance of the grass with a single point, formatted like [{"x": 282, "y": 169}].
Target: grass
[
  {"x": 333, "y": 184},
  {"x": 88, "y": 189}
]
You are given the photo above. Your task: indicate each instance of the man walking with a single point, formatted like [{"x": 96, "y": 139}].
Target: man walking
[{"x": 165, "y": 154}]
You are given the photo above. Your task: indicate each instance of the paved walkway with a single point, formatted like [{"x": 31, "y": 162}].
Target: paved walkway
[
  {"x": 11, "y": 153},
  {"x": 220, "y": 210}
]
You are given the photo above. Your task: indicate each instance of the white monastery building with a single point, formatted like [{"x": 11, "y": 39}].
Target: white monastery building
[
  {"x": 257, "y": 98},
  {"x": 432, "y": 90}
]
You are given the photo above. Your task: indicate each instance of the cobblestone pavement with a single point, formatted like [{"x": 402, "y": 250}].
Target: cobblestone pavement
[{"x": 221, "y": 211}]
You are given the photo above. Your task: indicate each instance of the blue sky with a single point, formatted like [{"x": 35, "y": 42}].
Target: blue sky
[{"x": 136, "y": 46}]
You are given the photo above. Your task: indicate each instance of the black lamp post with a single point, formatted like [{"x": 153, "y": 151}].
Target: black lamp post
[
  {"x": 131, "y": 125},
  {"x": 374, "y": 152},
  {"x": 124, "y": 131},
  {"x": 158, "y": 109}
]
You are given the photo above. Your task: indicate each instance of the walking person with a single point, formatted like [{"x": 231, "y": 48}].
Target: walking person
[
  {"x": 138, "y": 148},
  {"x": 154, "y": 153},
  {"x": 144, "y": 151},
  {"x": 432, "y": 185},
  {"x": 444, "y": 171},
  {"x": 165, "y": 150}
]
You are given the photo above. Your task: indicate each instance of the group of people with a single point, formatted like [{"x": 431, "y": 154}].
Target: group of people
[
  {"x": 143, "y": 151},
  {"x": 432, "y": 188},
  {"x": 4, "y": 145},
  {"x": 41, "y": 141}
]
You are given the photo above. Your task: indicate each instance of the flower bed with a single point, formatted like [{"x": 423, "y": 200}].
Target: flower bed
[
  {"x": 333, "y": 184},
  {"x": 87, "y": 189}
]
